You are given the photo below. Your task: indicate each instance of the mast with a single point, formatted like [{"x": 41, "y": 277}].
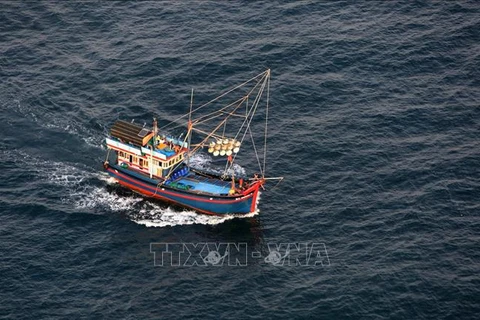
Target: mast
[
  {"x": 155, "y": 129},
  {"x": 189, "y": 132},
  {"x": 155, "y": 133}
]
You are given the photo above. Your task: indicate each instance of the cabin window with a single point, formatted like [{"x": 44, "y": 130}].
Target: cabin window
[
  {"x": 131, "y": 159},
  {"x": 141, "y": 162},
  {"x": 121, "y": 154}
]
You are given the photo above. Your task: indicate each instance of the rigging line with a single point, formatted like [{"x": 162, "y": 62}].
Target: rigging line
[
  {"x": 256, "y": 153},
  {"x": 171, "y": 128},
  {"x": 256, "y": 156},
  {"x": 261, "y": 81},
  {"x": 220, "y": 110},
  {"x": 171, "y": 171},
  {"x": 224, "y": 128},
  {"x": 209, "y": 119},
  {"x": 206, "y": 133},
  {"x": 250, "y": 115},
  {"x": 214, "y": 130},
  {"x": 233, "y": 89},
  {"x": 241, "y": 100},
  {"x": 226, "y": 169},
  {"x": 215, "y": 99},
  {"x": 189, "y": 130},
  {"x": 233, "y": 115},
  {"x": 108, "y": 153},
  {"x": 252, "y": 112},
  {"x": 266, "y": 125},
  {"x": 183, "y": 125},
  {"x": 201, "y": 144},
  {"x": 255, "y": 148},
  {"x": 197, "y": 121},
  {"x": 276, "y": 185}
]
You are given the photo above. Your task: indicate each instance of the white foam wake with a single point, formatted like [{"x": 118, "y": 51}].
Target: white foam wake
[
  {"x": 48, "y": 119},
  {"x": 105, "y": 177},
  {"x": 203, "y": 161},
  {"x": 87, "y": 189},
  {"x": 163, "y": 217},
  {"x": 99, "y": 198},
  {"x": 153, "y": 215}
]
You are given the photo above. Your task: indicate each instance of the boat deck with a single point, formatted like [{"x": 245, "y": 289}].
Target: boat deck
[
  {"x": 196, "y": 182},
  {"x": 204, "y": 184}
]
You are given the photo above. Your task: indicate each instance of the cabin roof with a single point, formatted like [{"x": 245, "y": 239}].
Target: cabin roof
[{"x": 129, "y": 132}]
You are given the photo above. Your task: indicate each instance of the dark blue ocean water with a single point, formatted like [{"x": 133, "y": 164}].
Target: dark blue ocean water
[{"x": 375, "y": 124}]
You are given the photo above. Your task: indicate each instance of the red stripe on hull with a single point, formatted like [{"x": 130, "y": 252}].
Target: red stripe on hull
[
  {"x": 254, "y": 200},
  {"x": 144, "y": 189},
  {"x": 157, "y": 196},
  {"x": 181, "y": 195}
]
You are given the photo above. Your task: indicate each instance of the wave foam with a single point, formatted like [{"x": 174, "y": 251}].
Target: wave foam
[
  {"x": 48, "y": 119},
  {"x": 163, "y": 217},
  {"x": 98, "y": 197},
  {"x": 88, "y": 189},
  {"x": 203, "y": 161}
]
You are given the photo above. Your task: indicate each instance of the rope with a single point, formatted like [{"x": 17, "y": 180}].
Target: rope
[
  {"x": 156, "y": 189},
  {"x": 250, "y": 116},
  {"x": 256, "y": 154},
  {"x": 230, "y": 110},
  {"x": 266, "y": 124},
  {"x": 220, "y": 111},
  {"x": 108, "y": 153},
  {"x": 216, "y": 128},
  {"x": 217, "y": 98}
]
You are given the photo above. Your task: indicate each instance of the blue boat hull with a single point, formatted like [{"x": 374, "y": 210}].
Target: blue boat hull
[{"x": 204, "y": 203}]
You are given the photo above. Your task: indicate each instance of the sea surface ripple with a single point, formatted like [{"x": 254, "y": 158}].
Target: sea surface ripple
[{"x": 374, "y": 124}]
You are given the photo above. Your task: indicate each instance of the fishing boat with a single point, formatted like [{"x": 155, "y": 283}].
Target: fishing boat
[{"x": 157, "y": 163}]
